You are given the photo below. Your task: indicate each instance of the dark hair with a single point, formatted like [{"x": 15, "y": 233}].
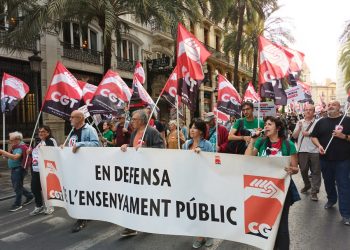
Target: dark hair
[
  {"x": 280, "y": 125},
  {"x": 48, "y": 129},
  {"x": 200, "y": 125},
  {"x": 250, "y": 104}
]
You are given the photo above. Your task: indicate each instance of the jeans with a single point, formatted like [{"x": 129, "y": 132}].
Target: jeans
[
  {"x": 36, "y": 189},
  {"x": 337, "y": 173},
  {"x": 17, "y": 177}
]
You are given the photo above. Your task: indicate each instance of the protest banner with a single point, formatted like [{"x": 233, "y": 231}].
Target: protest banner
[
  {"x": 295, "y": 94},
  {"x": 266, "y": 109},
  {"x": 175, "y": 192}
]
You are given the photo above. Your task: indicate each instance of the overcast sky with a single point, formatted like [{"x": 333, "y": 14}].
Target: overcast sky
[{"x": 318, "y": 25}]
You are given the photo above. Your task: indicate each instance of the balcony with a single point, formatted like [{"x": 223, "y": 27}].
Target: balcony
[
  {"x": 31, "y": 46},
  {"x": 217, "y": 54},
  {"x": 81, "y": 54},
  {"x": 160, "y": 34},
  {"x": 126, "y": 64},
  {"x": 160, "y": 65}
]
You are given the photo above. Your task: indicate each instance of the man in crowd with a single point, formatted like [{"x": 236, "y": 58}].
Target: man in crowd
[
  {"x": 243, "y": 129},
  {"x": 122, "y": 131},
  {"x": 83, "y": 135},
  {"x": 308, "y": 157},
  {"x": 222, "y": 136},
  {"x": 15, "y": 162},
  {"x": 152, "y": 139},
  {"x": 335, "y": 161}
]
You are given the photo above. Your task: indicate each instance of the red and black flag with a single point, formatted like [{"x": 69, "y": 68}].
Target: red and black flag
[
  {"x": 170, "y": 89},
  {"x": 229, "y": 100},
  {"x": 64, "y": 94},
  {"x": 13, "y": 90},
  {"x": 88, "y": 92},
  {"x": 250, "y": 95},
  {"x": 191, "y": 55},
  {"x": 111, "y": 96}
]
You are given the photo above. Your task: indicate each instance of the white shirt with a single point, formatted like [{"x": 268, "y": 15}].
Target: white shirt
[{"x": 306, "y": 145}]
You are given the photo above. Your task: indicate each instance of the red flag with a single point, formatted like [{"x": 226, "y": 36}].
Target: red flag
[
  {"x": 297, "y": 60},
  {"x": 191, "y": 54},
  {"x": 250, "y": 95},
  {"x": 88, "y": 92},
  {"x": 221, "y": 116},
  {"x": 144, "y": 96},
  {"x": 13, "y": 90},
  {"x": 64, "y": 93},
  {"x": 170, "y": 88},
  {"x": 274, "y": 61},
  {"x": 139, "y": 73},
  {"x": 229, "y": 100},
  {"x": 111, "y": 95}
]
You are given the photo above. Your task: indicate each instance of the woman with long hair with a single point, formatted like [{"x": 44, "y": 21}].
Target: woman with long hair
[
  {"x": 46, "y": 139},
  {"x": 275, "y": 144}
]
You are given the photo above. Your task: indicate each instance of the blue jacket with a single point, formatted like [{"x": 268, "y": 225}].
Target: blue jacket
[
  {"x": 204, "y": 145},
  {"x": 89, "y": 137}
]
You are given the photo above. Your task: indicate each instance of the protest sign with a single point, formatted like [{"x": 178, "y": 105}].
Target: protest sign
[
  {"x": 266, "y": 109},
  {"x": 295, "y": 94},
  {"x": 173, "y": 192}
]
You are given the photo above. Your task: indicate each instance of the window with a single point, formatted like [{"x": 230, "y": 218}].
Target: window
[
  {"x": 217, "y": 43},
  {"x": 128, "y": 50},
  {"x": 206, "y": 36},
  {"x": 78, "y": 37}
]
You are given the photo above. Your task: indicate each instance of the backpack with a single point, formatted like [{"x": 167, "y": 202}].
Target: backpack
[
  {"x": 286, "y": 141},
  {"x": 24, "y": 147},
  {"x": 238, "y": 147}
]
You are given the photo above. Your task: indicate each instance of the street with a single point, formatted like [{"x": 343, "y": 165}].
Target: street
[{"x": 311, "y": 227}]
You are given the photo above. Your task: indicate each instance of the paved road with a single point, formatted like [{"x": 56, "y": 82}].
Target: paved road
[{"x": 311, "y": 226}]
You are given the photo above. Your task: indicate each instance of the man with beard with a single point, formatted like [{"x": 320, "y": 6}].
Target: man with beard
[{"x": 335, "y": 162}]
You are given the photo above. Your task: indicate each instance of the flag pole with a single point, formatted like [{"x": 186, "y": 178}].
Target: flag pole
[
  {"x": 177, "y": 122},
  {"x": 342, "y": 119},
  {"x": 3, "y": 131},
  {"x": 217, "y": 132},
  {"x": 153, "y": 109},
  {"x": 259, "y": 114},
  {"x": 31, "y": 139},
  {"x": 65, "y": 142}
]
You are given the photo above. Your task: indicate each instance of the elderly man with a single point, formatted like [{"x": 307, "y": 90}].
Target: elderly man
[
  {"x": 83, "y": 135},
  {"x": 335, "y": 162},
  {"x": 152, "y": 139},
  {"x": 15, "y": 159},
  {"x": 222, "y": 133},
  {"x": 308, "y": 157}
]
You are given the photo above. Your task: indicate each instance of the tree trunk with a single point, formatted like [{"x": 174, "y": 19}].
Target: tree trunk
[
  {"x": 238, "y": 43},
  {"x": 255, "y": 67},
  {"x": 107, "y": 54}
]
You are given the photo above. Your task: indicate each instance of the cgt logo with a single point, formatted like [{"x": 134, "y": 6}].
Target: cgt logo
[
  {"x": 262, "y": 204},
  {"x": 54, "y": 190}
]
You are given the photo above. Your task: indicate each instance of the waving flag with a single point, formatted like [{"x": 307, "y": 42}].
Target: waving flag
[
  {"x": 88, "y": 92},
  {"x": 307, "y": 91},
  {"x": 191, "y": 54},
  {"x": 144, "y": 96},
  {"x": 250, "y": 95},
  {"x": 111, "y": 95},
  {"x": 170, "y": 89},
  {"x": 12, "y": 91},
  {"x": 139, "y": 73},
  {"x": 221, "y": 116},
  {"x": 64, "y": 93},
  {"x": 297, "y": 60},
  {"x": 229, "y": 100}
]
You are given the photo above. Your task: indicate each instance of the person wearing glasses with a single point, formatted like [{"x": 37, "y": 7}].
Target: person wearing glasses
[
  {"x": 242, "y": 130},
  {"x": 83, "y": 135},
  {"x": 46, "y": 139},
  {"x": 122, "y": 131},
  {"x": 18, "y": 172},
  {"x": 275, "y": 144},
  {"x": 152, "y": 139}
]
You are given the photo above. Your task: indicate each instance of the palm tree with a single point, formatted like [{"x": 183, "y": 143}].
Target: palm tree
[
  {"x": 40, "y": 16},
  {"x": 273, "y": 28},
  {"x": 344, "y": 59},
  {"x": 237, "y": 12}
]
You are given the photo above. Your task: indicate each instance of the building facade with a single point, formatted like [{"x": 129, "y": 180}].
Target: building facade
[{"x": 80, "y": 50}]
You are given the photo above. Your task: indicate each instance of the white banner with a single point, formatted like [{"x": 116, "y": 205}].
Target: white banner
[
  {"x": 295, "y": 94},
  {"x": 178, "y": 192},
  {"x": 266, "y": 109}
]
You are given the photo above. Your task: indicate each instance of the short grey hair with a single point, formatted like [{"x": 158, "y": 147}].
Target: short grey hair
[
  {"x": 16, "y": 135},
  {"x": 143, "y": 115}
]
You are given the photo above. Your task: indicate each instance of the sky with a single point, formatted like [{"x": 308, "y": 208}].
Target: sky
[{"x": 317, "y": 26}]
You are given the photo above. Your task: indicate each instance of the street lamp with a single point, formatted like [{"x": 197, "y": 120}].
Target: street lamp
[{"x": 35, "y": 67}]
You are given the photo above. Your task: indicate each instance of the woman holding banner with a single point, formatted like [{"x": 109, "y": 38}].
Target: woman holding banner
[
  {"x": 46, "y": 139},
  {"x": 275, "y": 144},
  {"x": 197, "y": 143}
]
